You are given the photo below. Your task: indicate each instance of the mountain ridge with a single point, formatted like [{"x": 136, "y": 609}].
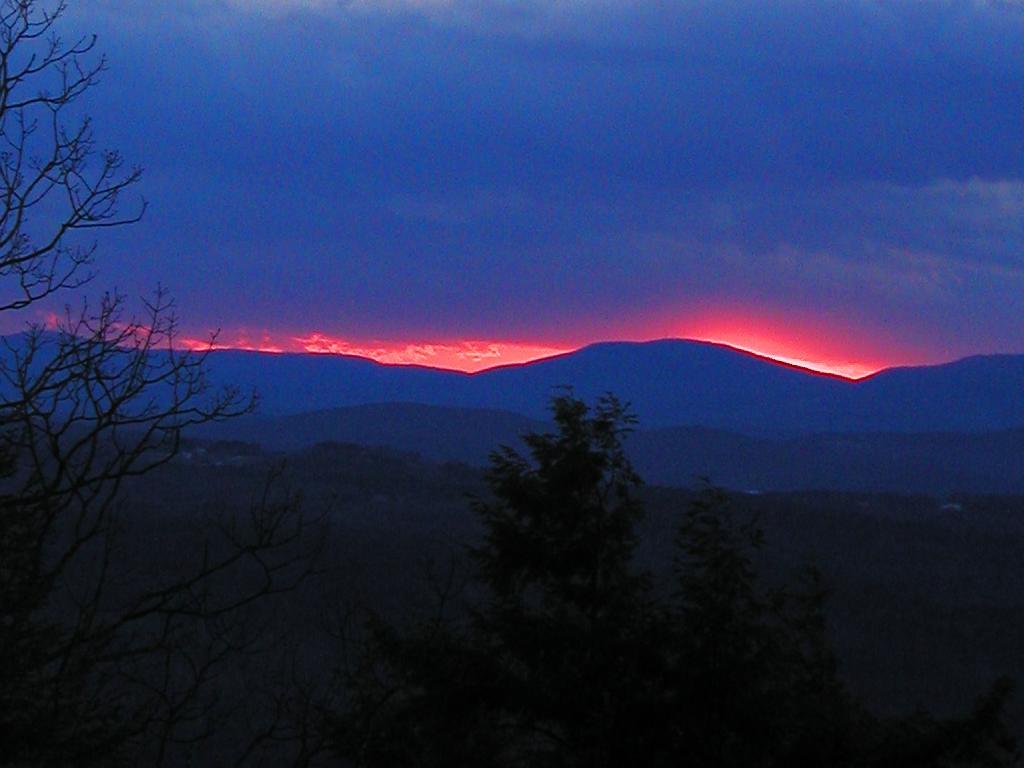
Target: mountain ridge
[
  {"x": 669, "y": 383},
  {"x": 932, "y": 463}
]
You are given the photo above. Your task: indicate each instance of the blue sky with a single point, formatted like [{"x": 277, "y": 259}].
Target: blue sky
[{"x": 846, "y": 178}]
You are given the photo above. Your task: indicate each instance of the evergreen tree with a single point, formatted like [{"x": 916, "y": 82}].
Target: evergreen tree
[
  {"x": 568, "y": 619},
  {"x": 566, "y": 655}
]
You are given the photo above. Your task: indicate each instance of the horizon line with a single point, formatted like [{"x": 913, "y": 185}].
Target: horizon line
[{"x": 471, "y": 357}]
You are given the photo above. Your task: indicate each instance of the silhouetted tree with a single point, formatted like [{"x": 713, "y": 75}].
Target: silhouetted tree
[
  {"x": 553, "y": 668},
  {"x": 99, "y": 666},
  {"x": 755, "y": 664},
  {"x": 564, "y": 654}
]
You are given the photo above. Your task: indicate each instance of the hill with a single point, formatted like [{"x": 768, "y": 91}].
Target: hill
[
  {"x": 925, "y": 462},
  {"x": 670, "y": 383}
]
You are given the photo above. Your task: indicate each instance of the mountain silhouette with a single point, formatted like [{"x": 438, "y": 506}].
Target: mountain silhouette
[{"x": 669, "y": 383}]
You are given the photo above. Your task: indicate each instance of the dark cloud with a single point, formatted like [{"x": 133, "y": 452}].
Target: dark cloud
[{"x": 527, "y": 170}]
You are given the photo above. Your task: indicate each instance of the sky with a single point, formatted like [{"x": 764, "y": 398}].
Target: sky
[{"x": 475, "y": 182}]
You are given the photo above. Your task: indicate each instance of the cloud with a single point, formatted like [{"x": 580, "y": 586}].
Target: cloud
[
  {"x": 845, "y": 31},
  {"x": 570, "y": 170},
  {"x": 278, "y": 6},
  {"x": 467, "y": 208},
  {"x": 996, "y": 200}
]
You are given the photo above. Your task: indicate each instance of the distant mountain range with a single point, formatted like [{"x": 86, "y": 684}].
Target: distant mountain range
[
  {"x": 934, "y": 463},
  {"x": 705, "y": 410},
  {"x": 669, "y": 383}
]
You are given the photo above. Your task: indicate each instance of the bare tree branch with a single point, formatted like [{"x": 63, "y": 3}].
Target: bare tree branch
[{"x": 100, "y": 663}]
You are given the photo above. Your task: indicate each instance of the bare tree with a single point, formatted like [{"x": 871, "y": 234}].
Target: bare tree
[
  {"x": 98, "y": 664},
  {"x": 54, "y": 182}
]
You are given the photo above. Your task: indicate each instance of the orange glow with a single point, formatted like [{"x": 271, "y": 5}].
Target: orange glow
[
  {"x": 809, "y": 344},
  {"x": 466, "y": 356},
  {"x": 240, "y": 341},
  {"x": 843, "y": 369},
  {"x": 803, "y": 342},
  {"x": 824, "y": 345}
]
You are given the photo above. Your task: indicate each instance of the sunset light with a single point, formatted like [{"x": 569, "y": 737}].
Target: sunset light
[
  {"x": 468, "y": 356},
  {"x": 846, "y": 370},
  {"x": 802, "y": 341},
  {"x": 472, "y": 356},
  {"x": 461, "y": 382}
]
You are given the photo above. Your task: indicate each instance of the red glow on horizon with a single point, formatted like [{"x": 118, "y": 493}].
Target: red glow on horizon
[
  {"x": 809, "y": 344},
  {"x": 805, "y": 345},
  {"x": 469, "y": 356},
  {"x": 241, "y": 341},
  {"x": 800, "y": 341},
  {"x": 843, "y": 369},
  {"x": 466, "y": 356}
]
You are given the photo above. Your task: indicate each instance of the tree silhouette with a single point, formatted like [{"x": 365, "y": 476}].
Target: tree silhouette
[
  {"x": 553, "y": 667},
  {"x": 97, "y": 665},
  {"x": 566, "y": 654}
]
